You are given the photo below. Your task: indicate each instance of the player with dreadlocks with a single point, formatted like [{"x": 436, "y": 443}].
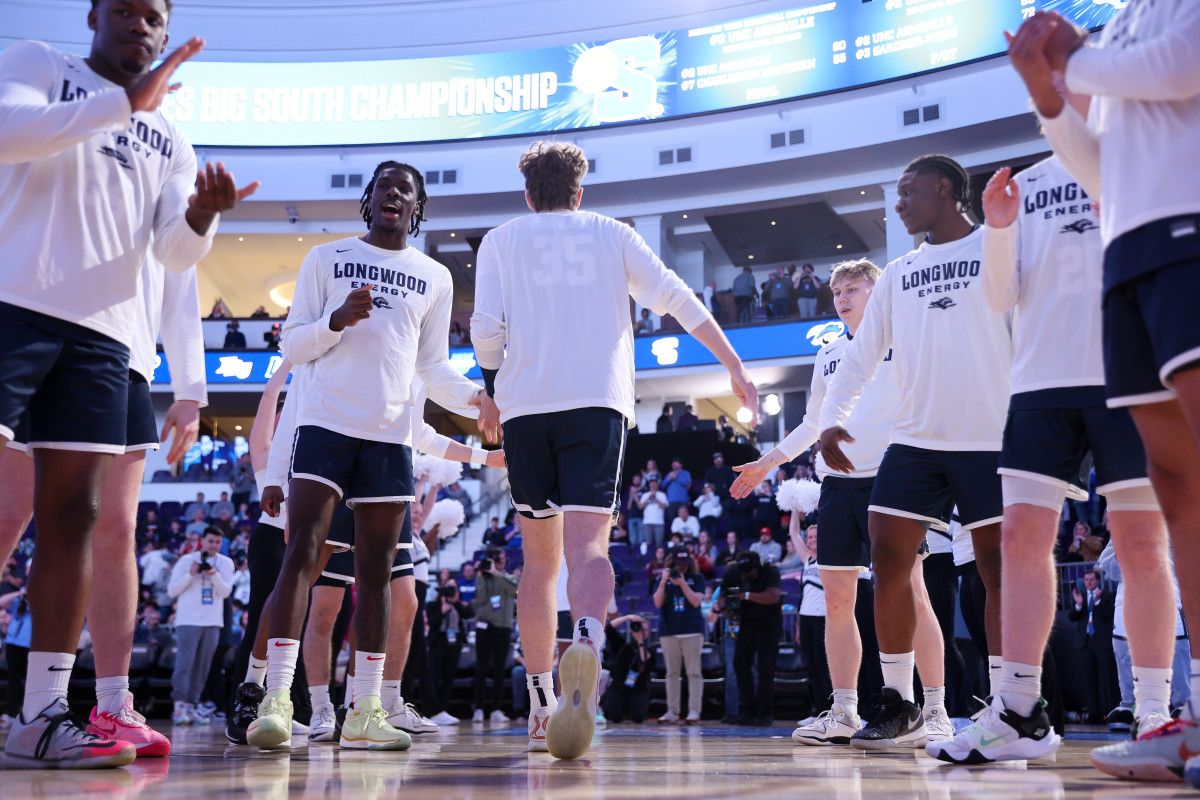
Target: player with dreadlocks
[
  {"x": 954, "y": 354},
  {"x": 369, "y": 315}
]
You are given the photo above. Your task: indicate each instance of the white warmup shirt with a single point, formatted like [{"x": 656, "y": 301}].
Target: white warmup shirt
[
  {"x": 359, "y": 379},
  {"x": 554, "y": 288},
  {"x": 1047, "y": 269},
  {"x": 83, "y": 188},
  {"x": 171, "y": 307},
  {"x": 812, "y": 599},
  {"x": 652, "y": 514},
  {"x": 870, "y": 423},
  {"x": 953, "y": 352},
  {"x": 420, "y": 557},
  {"x": 1144, "y": 80},
  {"x": 200, "y": 597}
]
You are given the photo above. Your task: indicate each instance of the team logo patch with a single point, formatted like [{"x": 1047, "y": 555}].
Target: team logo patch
[
  {"x": 823, "y": 333},
  {"x": 1080, "y": 226},
  {"x": 114, "y": 153},
  {"x": 665, "y": 350},
  {"x": 942, "y": 303},
  {"x": 380, "y": 302}
]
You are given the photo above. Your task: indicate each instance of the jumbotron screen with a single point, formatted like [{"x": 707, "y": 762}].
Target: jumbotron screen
[{"x": 807, "y": 50}]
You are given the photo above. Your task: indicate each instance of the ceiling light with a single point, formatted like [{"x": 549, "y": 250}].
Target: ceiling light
[
  {"x": 299, "y": 238},
  {"x": 751, "y": 257},
  {"x": 685, "y": 216},
  {"x": 772, "y": 222},
  {"x": 241, "y": 238},
  {"x": 744, "y": 415},
  {"x": 237, "y": 427},
  {"x": 771, "y": 404},
  {"x": 453, "y": 234},
  {"x": 839, "y": 247},
  {"x": 470, "y": 265},
  {"x": 862, "y": 191}
]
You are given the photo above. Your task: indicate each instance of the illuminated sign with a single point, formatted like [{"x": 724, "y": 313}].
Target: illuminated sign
[{"x": 805, "y": 50}]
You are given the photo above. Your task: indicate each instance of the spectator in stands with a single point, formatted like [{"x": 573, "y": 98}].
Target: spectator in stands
[
  {"x": 198, "y": 524},
  {"x": 709, "y": 508},
  {"x": 677, "y": 485},
  {"x": 645, "y": 323},
  {"x": 198, "y": 504},
  {"x": 18, "y": 639},
  {"x": 685, "y": 524},
  {"x": 260, "y": 313},
  {"x": 653, "y": 504},
  {"x": 628, "y": 695},
  {"x": 766, "y": 512},
  {"x": 705, "y": 548},
  {"x": 241, "y": 481},
  {"x": 156, "y": 572},
  {"x": 243, "y": 514},
  {"x": 447, "y": 615},
  {"x": 273, "y": 337},
  {"x": 200, "y": 582},
  {"x": 150, "y": 629},
  {"x": 701, "y": 551},
  {"x": 633, "y": 511},
  {"x": 720, "y": 475},
  {"x": 651, "y": 472},
  {"x": 744, "y": 291},
  {"x": 769, "y": 551},
  {"x": 619, "y": 532},
  {"x": 466, "y": 581},
  {"x": 687, "y": 420},
  {"x": 147, "y": 526},
  {"x": 1093, "y": 614},
  {"x": 751, "y": 596},
  {"x": 1084, "y": 547},
  {"x": 234, "y": 338},
  {"x": 656, "y": 565},
  {"x": 241, "y": 582},
  {"x": 218, "y": 310},
  {"x": 710, "y": 300},
  {"x": 806, "y": 284},
  {"x": 779, "y": 295},
  {"x": 458, "y": 338},
  {"x": 729, "y": 552},
  {"x": 725, "y": 429},
  {"x": 678, "y": 596},
  {"x": 222, "y": 505},
  {"x": 494, "y": 605},
  {"x": 825, "y": 306},
  {"x": 494, "y": 536},
  {"x": 665, "y": 423}
]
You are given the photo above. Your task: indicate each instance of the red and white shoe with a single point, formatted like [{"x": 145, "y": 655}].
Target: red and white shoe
[
  {"x": 537, "y": 730},
  {"x": 128, "y": 725}
]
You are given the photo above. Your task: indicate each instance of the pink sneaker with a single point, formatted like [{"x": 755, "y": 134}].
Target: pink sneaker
[{"x": 128, "y": 725}]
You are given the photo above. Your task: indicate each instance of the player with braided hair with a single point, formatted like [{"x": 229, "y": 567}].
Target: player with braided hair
[{"x": 418, "y": 179}]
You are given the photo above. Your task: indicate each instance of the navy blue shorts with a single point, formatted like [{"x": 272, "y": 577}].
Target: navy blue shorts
[
  {"x": 359, "y": 470},
  {"x": 340, "y": 569},
  {"x": 924, "y": 485},
  {"x": 141, "y": 429},
  {"x": 565, "y": 461},
  {"x": 72, "y": 381},
  {"x": 1049, "y": 434},
  {"x": 1150, "y": 329},
  {"x": 844, "y": 542}
]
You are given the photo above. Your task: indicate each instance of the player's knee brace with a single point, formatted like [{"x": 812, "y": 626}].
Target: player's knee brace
[
  {"x": 1019, "y": 489},
  {"x": 1132, "y": 498}
]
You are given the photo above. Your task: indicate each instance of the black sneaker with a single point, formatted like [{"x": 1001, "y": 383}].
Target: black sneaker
[
  {"x": 897, "y": 723},
  {"x": 1119, "y": 719},
  {"x": 245, "y": 711}
]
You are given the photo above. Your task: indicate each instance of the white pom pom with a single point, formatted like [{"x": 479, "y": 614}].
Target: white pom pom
[
  {"x": 798, "y": 495},
  {"x": 436, "y": 470},
  {"x": 447, "y": 516}
]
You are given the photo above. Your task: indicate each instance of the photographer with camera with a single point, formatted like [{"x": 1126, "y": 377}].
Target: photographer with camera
[
  {"x": 751, "y": 599},
  {"x": 681, "y": 631},
  {"x": 628, "y": 695},
  {"x": 495, "y": 609},
  {"x": 447, "y": 616},
  {"x": 200, "y": 582},
  {"x": 273, "y": 336}
]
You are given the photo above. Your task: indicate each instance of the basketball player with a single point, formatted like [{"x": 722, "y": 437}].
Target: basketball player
[
  {"x": 930, "y": 306},
  {"x": 553, "y": 288},
  {"x": 1042, "y": 260},
  {"x": 1144, "y": 78},
  {"x": 844, "y": 546},
  {"x": 70, "y": 304},
  {"x": 368, "y": 315}
]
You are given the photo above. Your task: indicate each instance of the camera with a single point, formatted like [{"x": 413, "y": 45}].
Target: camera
[
  {"x": 448, "y": 591},
  {"x": 635, "y": 626},
  {"x": 485, "y": 565},
  {"x": 674, "y": 574},
  {"x": 205, "y": 565}
]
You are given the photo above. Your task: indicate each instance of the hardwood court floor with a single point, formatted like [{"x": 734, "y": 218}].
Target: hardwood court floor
[{"x": 477, "y": 761}]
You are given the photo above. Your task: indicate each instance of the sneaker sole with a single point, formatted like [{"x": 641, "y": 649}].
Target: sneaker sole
[
  {"x": 1147, "y": 770},
  {"x": 906, "y": 742},
  {"x": 569, "y": 731},
  {"x": 123, "y": 758},
  {"x": 153, "y": 750},
  {"x": 369, "y": 744},
  {"x": 269, "y": 735},
  {"x": 1020, "y": 750},
  {"x": 812, "y": 741},
  {"x": 537, "y": 747}
]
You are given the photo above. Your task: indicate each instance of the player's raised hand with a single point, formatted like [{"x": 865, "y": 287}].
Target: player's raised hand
[
  {"x": 1001, "y": 199},
  {"x": 147, "y": 93},
  {"x": 355, "y": 308},
  {"x": 216, "y": 190},
  {"x": 831, "y": 449},
  {"x": 750, "y": 476}
]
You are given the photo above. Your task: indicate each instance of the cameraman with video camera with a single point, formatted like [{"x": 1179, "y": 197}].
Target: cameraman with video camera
[
  {"x": 628, "y": 695},
  {"x": 447, "y": 616},
  {"x": 751, "y": 599},
  {"x": 273, "y": 336},
  {"x": 495, "y": 610},
  {"x": 681, "y": 631},
  {"x": 200, "y": 582}
]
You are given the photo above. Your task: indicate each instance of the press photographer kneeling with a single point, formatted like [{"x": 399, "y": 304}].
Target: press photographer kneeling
[{"x": 751, "y": 598}]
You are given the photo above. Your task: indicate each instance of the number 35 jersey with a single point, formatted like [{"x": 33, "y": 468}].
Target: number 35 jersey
[{"x": 552, "y": 310}]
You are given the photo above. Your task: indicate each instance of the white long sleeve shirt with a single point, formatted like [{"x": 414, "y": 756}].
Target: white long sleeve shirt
[
  {"x": 554, "y": 289},
  {"x": 200, "y": 598},
  {"x": 1047, "y": 269},
  {"x": 83, "y": 188},
  {"x": 1144, "y": 78},
  {"x": 359, "y": 380},
  {"x": 953, "y": 352},
  {"x": 870, "y": 423},
  {"x": 171, "y": 308}
]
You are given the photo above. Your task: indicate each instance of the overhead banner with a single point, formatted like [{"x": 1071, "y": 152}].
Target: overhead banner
[{"x": 807, "y": 50}]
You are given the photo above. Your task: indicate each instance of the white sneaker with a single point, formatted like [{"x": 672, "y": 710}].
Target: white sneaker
[
  {"x": 300, "y": 729},
  {"x": 692, "y": 718},
  {"x": 445, "y": 718},
  {"x": 405, "y": 717},
  {"x": 477, "y": 717},
  {"x": 537, "y": 730},
  {"x": 938, "y": 725},
  {"x": 498, "y": 716},
  {"x": 831, "y": 727},
  {"x": 997, "y": 734},
  {"x": 569, "y": 732},
  {"x": 1150, "y": 722},
  {"x": 669, "y": 718},
  {"x": 182, "y": 715},
  {"x": 324, "y": 727}
]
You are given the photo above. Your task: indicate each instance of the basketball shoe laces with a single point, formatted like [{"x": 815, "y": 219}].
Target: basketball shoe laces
[{"x": 78, "y": 735}]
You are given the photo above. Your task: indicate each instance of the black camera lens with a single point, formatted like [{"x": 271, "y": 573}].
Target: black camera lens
[{"x": 635, "y": 626}]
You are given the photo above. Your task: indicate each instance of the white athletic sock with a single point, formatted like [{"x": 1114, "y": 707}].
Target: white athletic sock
[
  {"x": 1193, "y": 711},
  {"x": 541, "y": 691},
  {"x": 589, "y": 630},
  {"x": 1019, "y": 686},
  {"x": 935, "y": 697},
  {"x": 256, "y": 672},
  {"x": 282, "y": 655},
  {"x": 1151, "y": 691},
  {"x": 48, "y": 676},
  {"x": 110, "y": 693},
  {"x": 319, "y": 695},
  {"x": 995, "y": 664},
  {"x": 391, "y": 694},
  {"x": 847, "y": 699},
  {"x": 898, "y": 673},
  {"x": 368, "y": 676}
]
